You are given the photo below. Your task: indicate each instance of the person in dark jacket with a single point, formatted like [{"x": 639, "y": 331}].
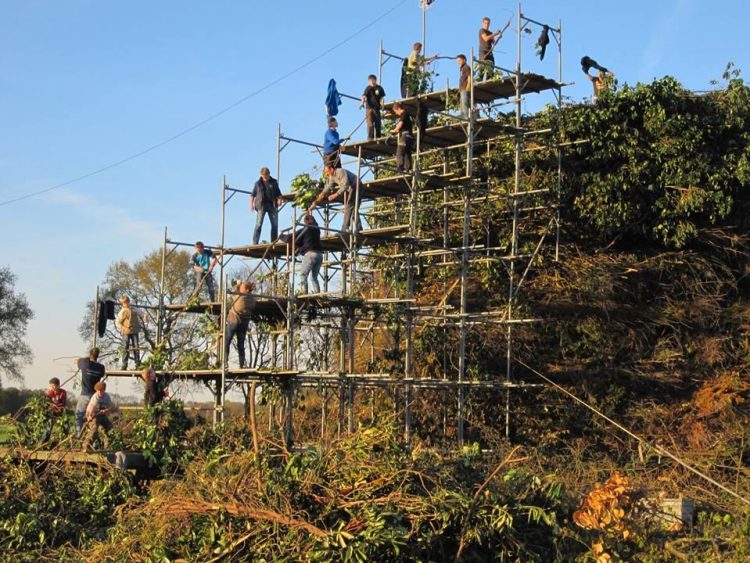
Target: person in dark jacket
[
  {"x": 403, "y": 131},
  {"x": 91, "y": 373},
  {"x": 152, "y": 392},
  {"x": 266, "y": 200},
  {"x": 372, "y": 100},
  {"x": 238, "y": 319},
  {"x": 307, "y": 242}
]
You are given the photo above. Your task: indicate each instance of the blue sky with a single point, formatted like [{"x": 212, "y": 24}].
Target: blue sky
[{"x": 85, "y": 83}]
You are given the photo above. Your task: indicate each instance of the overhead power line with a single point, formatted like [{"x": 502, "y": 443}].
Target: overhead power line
[{"x": 211, "y": 117}]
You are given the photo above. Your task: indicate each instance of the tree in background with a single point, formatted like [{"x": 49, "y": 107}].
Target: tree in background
[
  {"x": 15, "y": 315},
  {"x": 140, "y": 280}
]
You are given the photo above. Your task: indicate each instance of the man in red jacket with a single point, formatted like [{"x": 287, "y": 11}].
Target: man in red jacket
[{"x": 58, "y": 401}]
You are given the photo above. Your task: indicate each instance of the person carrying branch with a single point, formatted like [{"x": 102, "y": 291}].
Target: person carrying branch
[
  {"x": 487, "y": 42},
  {"x": 238, "y": 320},
  {"x": 372, "y": 101},
  {"x": 97, "y": 411},
  {"x": 413, "y": 70},
  {"x": 340, "y": 183},
  {"x": 600, "y": 82},
  {"x": 129, "y": 322},
  {"x": 203, "y": 263}
]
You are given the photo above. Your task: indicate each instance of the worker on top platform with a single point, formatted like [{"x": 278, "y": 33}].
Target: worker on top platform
[
  {"x": 332, "y": 145},
  {"x": 600, "y": 82},
  {"x": 203, "y": 262},
  {"x": 129, "y": 322},
  {"x": 265, "y": 199},
  {"x": 340, "y": 185},
  {"x": 487, "y": 42},
  {"x": 238, "y": 320},
  {"x": 403, "y": 130},
  {"x": 413, "y": 72},
  {"x": 464, "y": 86},
  {"x": 373, "y": 101}
]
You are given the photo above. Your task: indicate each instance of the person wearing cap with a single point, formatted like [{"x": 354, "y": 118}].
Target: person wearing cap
[
  {"x": 58, "y": 401},
  {"x": 238, "y": 320},
  {"x": 91, "y": 373},
  {"x": 372, "y": 101},
  {"x": 129, "y": 322},
  {"x": 265, "y": 199},
  {"x": 203, "y": 263},
  {"x": 332, "y": 144},
  {"x": 97, "y": 415}
]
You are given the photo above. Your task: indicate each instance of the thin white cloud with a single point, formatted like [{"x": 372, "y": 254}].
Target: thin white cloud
[
  {"x": 665, "y": 34},
  {"x": 117, "y": 221}
]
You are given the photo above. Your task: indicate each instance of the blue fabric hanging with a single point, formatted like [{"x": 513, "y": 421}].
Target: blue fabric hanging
[{"x": 333, "y": 99}]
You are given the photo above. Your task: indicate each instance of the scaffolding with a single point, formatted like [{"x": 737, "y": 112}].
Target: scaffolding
[{"x": 347, "y": 315}]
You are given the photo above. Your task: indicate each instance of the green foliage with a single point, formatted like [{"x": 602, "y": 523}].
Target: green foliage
[
  {"x": 305, "y": 190},
  {"x": 57, "y": 506},
  {"x": 37, "y": 418},
  {"x": 160, "y": 432},
  {"x": 660, "y": 163}
]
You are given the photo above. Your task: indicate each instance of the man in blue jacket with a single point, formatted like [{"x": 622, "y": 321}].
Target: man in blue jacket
[
  {"x": 266, "y": 200},
  {"x": 332, "y": 145}
]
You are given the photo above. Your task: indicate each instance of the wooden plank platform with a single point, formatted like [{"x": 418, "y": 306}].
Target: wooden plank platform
[
  {"x": 120, "y": 460},
  {"x": 440, "y": 136},
  {"x": 484, "y": 92},
  {"x": 330, "y": 243},
  {"x": 266, "y": 308}
]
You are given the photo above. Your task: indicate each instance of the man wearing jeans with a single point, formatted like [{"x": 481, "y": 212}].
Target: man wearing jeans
[
  {"x": 405, "y": 139},
  {"x": 203, "y": 262},
  {"x": 307, "y": 241},
  {"x": 265, "y": 200},
  {"x": 464, "y": 86},
  {"x": 372, "y": 100},
  {"x": 129, "y": 322},
  {"x": 238, "y": 319},
  {"x": 91, "y": 373},
  {"x": 340, "y": 184}
]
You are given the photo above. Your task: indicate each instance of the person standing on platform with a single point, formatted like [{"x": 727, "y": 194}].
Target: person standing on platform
[
  {"x": 307, "y": 242},
  {"x": 129, "y": 322},
  {"x": 464, "y": 86},
  {"x": 372, "y": 101},
  {"x": 203, "y": 262},
  {"x": 97, "y": 411},
  {"x": 413, "y": 71},
  {"x": 340, "y": 183},
  {"x": 265, "y": 199},
  {"x": 487, "y": 41},
  {"x": 58, "y": 401},
  {"x": 238, "y": 319},
  {"x": 91, "y": 373},
  {"x": 405, "y": 147},
  {"x": 332, "y": 145}
]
